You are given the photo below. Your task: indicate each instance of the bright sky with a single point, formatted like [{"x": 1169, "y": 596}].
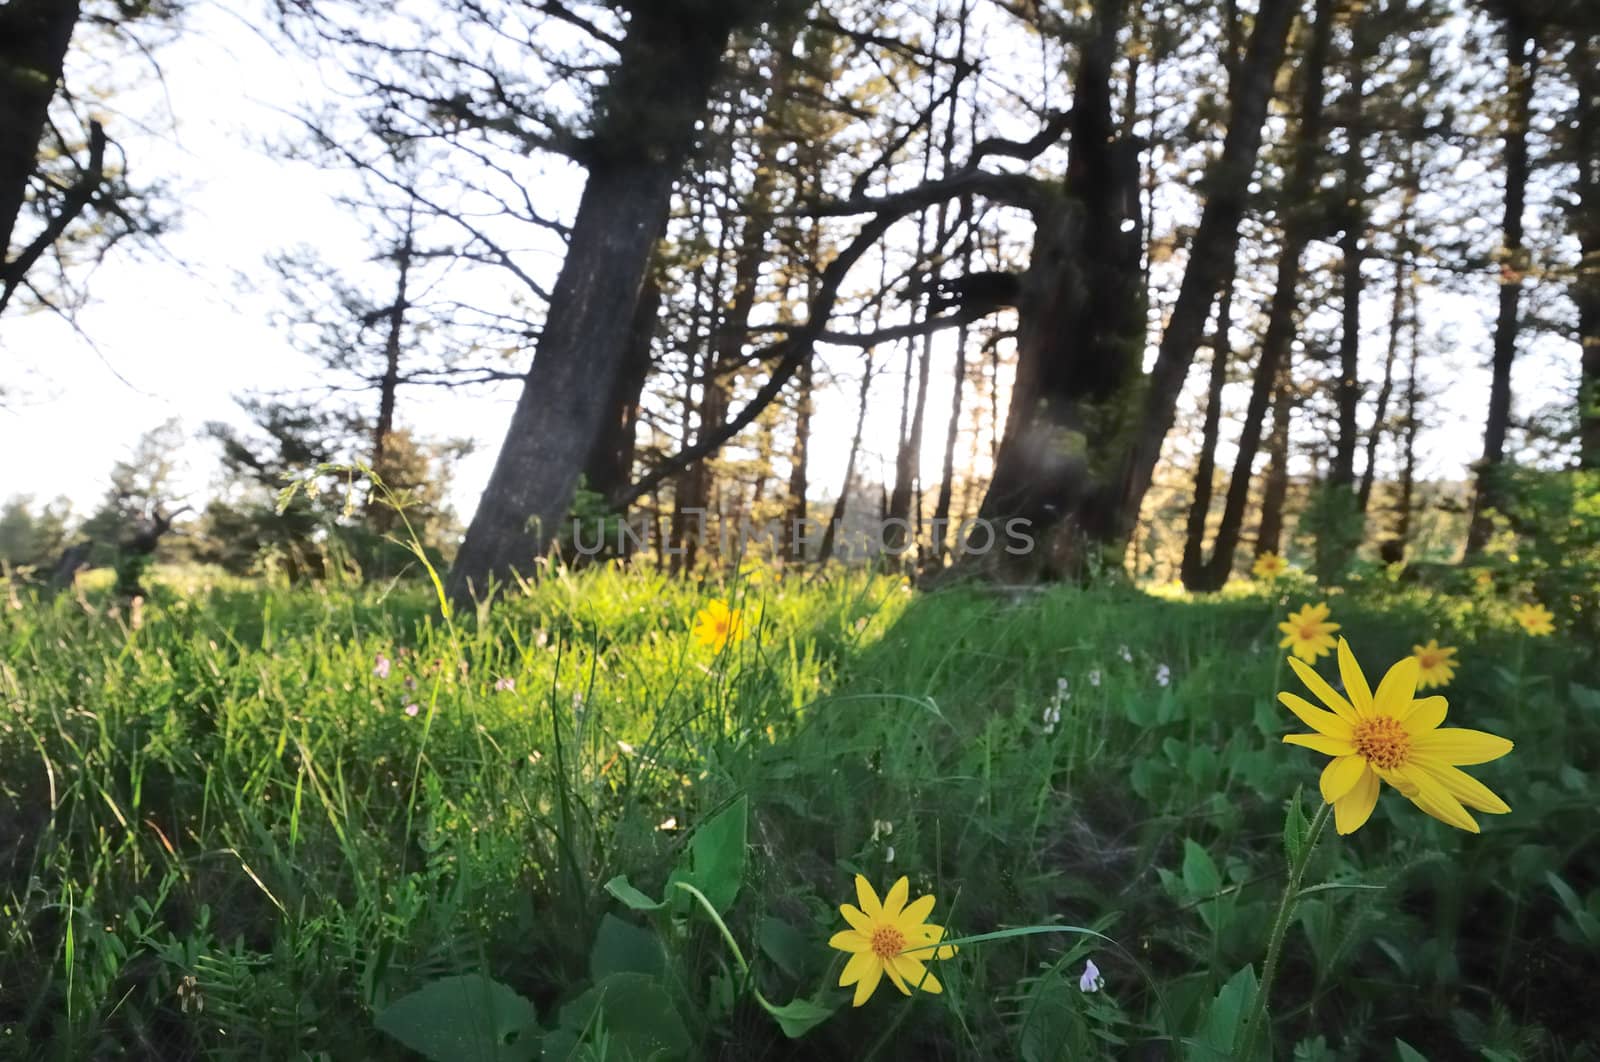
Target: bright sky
[{"x": 180, "y": 335}]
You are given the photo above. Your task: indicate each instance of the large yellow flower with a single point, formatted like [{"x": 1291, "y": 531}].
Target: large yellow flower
[
  {"x": 1307, "y": 633},
  {"x": 1434, "y": 666},
  {"x": 1535, "y": 619},
  {"x": 1392, "y": 736},
  {"x": 716, "y": 625},
  {"x": 1268, "y": 566},
  {"x": 891, "y": 938}
]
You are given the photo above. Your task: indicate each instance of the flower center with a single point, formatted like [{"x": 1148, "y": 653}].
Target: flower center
[
  {"x": 887, "y": 941},
  {"x": 1383, "y": 741},
  {"x": 1308, "y": 632},
  {"x": 1429, "y": 661}
]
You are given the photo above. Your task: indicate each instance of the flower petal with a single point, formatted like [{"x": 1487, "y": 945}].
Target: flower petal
[
  {"x": 1328, "y": 746},
  {"x": 1341, "y": 775},
  {"x": 1464, "y": 787},
  {"x": 1318, "y": 720},
  {"x": 857, "y": 919},
  {"x": 894, "y": 976},
  {"x": 1424, "y": 714},
  {"x": 915, "y": 913},
  {"x": 1355, "y": 683},
  {"x": 1324, "y": 692},
  {"x": 868, "y": 899},
  {"x": 931, "y": 934},
  {"x": 1432, "y": 797},
  {"x": 916, "y": 974},
  {"x": 1460, "y": 747},
  {"x": 1397, "y": 688},
  {"x": 895, "y": 902},
  {"x": 850, "y": 940},
  {"x": 868, "y": 983},
  {"x": 858, "y": 966},
  {"x": 1351, "y": 811}
]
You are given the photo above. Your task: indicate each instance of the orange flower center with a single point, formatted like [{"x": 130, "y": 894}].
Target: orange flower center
[
  {"x": 887, "y": 941},
  {"x": 1430, "y": 660},
  {"x": 1308, "y": 632},
  {"x": 1383, "y": 741}
]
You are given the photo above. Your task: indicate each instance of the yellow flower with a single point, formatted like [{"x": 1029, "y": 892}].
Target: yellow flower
[
  {"x": 892, "y": 937},
  {"x": 1391, "y": 736},
  {"x": 1434, "y": 666},
  {"x": 716, "y": 625},
  {"x": 1535, "y": 619},
  {"x": 1268, "y": 566},
  {"x": 1484, "y": 579},
  {"x": 1307, "y": 633}
]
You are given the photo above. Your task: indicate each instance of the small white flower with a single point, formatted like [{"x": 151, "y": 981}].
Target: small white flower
[
  {"x": 888, "y": 854},
  {"x": 1094, "y": 677},
  {"x": 504, "y": 684},
  {"x": 669, "y": 823},
  {"x": 1061, "y": 686},
  {"x": 1127, "y": 657},
  {"x": 381, "y": 667},
  {"x": 1163, "y": 675},
  {"x": 411, "y": 710},
  {"x": 1091, "y": 981}
]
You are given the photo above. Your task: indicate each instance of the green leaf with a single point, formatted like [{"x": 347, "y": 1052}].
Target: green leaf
[
  {"x": 1408, "y": 1053},
  {"x": 621, "y": 947},
  {"x": 714, "y": 862},
  {"x": 1220, "y": 1030},
  {"x": 1200, "y": 875},
  {"x": 631, "y": 897},
  {"x": 785, "y": 945},
  {"x": 1584, "y": 697},
  {"x": 469, "y": 1018},
  {"x": 637, "y": 1014},
  {"x": 800, "y": 1017},
  {"x": 1296, "y": 830}
]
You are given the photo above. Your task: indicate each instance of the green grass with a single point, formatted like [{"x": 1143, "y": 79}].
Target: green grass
[{"x": 222, "y": 835}]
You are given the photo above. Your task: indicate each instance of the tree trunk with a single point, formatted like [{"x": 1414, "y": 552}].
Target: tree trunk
[
  {"x": 1585, "y": 62},
  {"x": 1192, "y": 566},
  {"x": 1397, "y": 307},
  {"x": 610, "y": 464},
  {"x": 1275, "y": 487},
  {"x": 34, "y": 35},
  {"x": 830, "y": 533},
  {"x": 1521, "y": 71},
  {"x": 1211, "y": 258},
  {"x": 797, "y": 464},
  {"x": 649, "y": 109},
  {"x": 389, "y": 384},
  {"x": 1298, "y": 210},
  {"x": 1408, "y": 458},
  {"x": 952, "y": 432}
]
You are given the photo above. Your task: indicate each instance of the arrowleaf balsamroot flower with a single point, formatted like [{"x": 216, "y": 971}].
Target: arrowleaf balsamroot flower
[
  {"x": 1307, "y": 633},
  {"x": 1434, "y": 666},
  {"x": 1268, "y": 566},
  {"x": 891, "y": 937},
  {"x": 1391, "y": 736},
  {"x": 716, "y": 625},
  {"x": 1535, "y": 619}
]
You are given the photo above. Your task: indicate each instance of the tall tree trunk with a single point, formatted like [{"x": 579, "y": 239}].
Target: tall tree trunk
[
  {"x": 34, "y": 35},
  {"x": 899, "y": 506},
  {"x": 1275, "y": 484},
  {"x": 1298, "y": 210},
  {"x": 382, "y": 516},
  {"x": 610, "y": 464},
  {"x": 1353, "y": 219},
  {"x": 830, "y": 534},
  {"x": 648, "y": 113},
  {"x": 1584, "y": 60},
  {"x": 1192, "y": 567},
  {"x": 1397, "y": 306},
  {"x": 1408, "y": 446},
  {"x": 1211, "y": 259},
  {"x": 798, "y": 461},
  {"x": 1521, "y": 71}
]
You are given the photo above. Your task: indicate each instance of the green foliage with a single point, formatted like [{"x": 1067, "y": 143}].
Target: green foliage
[
  {"x": 1550, "y": 546},
  {"x": 224, "y": 834}
]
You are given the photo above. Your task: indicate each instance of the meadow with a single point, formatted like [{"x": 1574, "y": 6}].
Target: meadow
[{"x": 253, "y": 821}]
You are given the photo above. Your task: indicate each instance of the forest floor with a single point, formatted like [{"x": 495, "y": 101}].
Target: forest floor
[{"x": 257, "y": 822}]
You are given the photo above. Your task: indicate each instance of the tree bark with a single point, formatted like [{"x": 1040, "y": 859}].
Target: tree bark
[
  {"x": 1397, "y": 307},
  {"x": 1521, "y": 72},
  {"x": 798, "y": 461},
  {"x": 1408, "y": 460},
  {"x": 610, "y": 464},
  {"x": 648, "y": 113},
  {"x": 1192, "y": 567},
  {"x": 1211, "y": 257},
  {"x": 1297, "y": 208},
  {"x": 1275, "y": 485},
  {"x": 830, "y": 533},
  {"x": 34, "y": 35}
]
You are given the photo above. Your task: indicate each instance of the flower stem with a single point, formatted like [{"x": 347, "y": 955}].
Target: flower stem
[{"x": 1280, "y": 928}]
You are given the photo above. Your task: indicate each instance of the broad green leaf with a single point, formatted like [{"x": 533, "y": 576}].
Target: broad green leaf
[
  {"x": 1408, "y": 1053},
  {"x": 800, "y": 1017},
  {"x": 1200, "y": 875},
  {"x": 630, "y": 896},
  {"x": 637, "y": 1014},
  {"x": 468, "y": 1018},
  {"x": 621, "y": 947},
  {"x": 1295, "y": 829},
  {"x": 714, "y": 861},
  {"x": 785, "y": 945}
]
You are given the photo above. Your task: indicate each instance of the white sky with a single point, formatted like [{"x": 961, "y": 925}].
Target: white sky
[{"x": 188, "y": 337}]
